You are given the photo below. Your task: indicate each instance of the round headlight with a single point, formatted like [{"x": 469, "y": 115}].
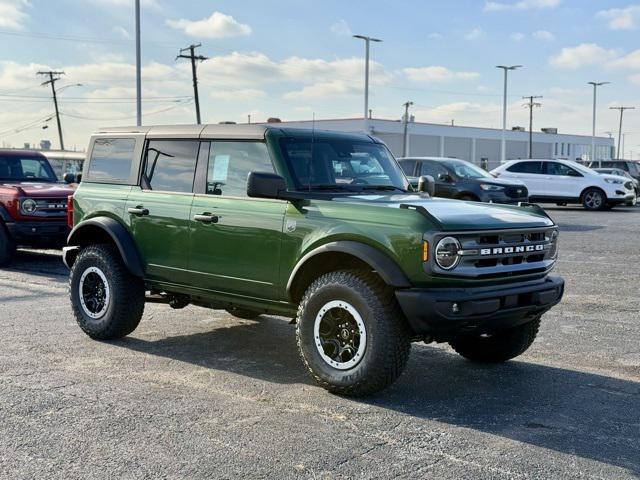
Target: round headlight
[
  {"x": 447, "y": 253},
  {"x": 29, "y": 206}
]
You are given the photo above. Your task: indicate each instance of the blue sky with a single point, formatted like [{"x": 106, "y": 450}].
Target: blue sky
[{"x": 291, "y": 59}]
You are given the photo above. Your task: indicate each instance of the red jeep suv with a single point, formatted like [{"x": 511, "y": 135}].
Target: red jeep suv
[{"x": 33, "y": 203}]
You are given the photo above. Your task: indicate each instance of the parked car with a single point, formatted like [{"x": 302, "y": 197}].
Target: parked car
[
  {"x": 463, "y": 180},
  {"x": 317, "y": 226},
  {"x": 565, "y": 181},
  {"x": 620, "y": 173},
  {"x": 630, "y": 166},
  {"x": 33, "y": 203}
]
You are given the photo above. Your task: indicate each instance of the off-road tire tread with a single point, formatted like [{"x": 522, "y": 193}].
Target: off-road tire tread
[
  {"x": 7, "y": 246},
  {"x": 501, "y": 347},
  {"x": 396, "y": 350},
  {"x": 128, "y": 293}
]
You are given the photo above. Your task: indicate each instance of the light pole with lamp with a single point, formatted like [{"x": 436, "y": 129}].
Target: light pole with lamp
[
  {"x": 593, "y": 131},
  {"x": 503, "y": 146},
  {"x": 367, "y": 41}
]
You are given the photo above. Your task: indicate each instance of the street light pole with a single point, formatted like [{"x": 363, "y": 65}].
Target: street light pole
[
  {"x": 503, "y": 146},
  {"x": 405, "y": 136},
  {"x": 593, "y": 131},
  {"x": 138, "y": 68},
  {"x": 367, "y": 41},
  {"x": 621, "y": 109}
]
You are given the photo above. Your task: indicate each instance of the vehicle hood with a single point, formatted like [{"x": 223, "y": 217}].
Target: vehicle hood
[
  {"x": 40, "y": 189},
  {"x": 454, "y": 215}
]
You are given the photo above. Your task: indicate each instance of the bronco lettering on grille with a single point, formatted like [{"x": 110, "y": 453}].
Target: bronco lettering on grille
[{"x": 508, "y": 250}]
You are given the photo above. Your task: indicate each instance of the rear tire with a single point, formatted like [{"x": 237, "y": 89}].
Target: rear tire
[
  {"x": 499, "y": 347},
  {"x": 351, "y": 333},
  {"x": 594, "y": 199},
  {"x": 107, "y": 300},
  {"x": 7, "y": 246}
]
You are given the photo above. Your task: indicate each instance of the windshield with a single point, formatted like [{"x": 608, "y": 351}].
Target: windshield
[
  {"x": 468, "y": 170},
  {"x": 341, "y": 165},
  {"x": 581, "y": 167},
  {"x": 18, "y": 169}
]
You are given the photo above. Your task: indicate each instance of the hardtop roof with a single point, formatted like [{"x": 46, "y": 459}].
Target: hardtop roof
[{"x": 229, "y": 131}]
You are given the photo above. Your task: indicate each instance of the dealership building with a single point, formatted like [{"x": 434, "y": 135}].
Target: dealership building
[{"x": 482, "y": 146}]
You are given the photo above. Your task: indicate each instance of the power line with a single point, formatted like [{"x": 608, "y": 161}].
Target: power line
[
  {"x": 193, "y": 57},
  {"x": 53, "y": 78}
]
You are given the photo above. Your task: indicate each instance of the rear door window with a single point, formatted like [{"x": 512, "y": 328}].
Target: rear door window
[
  {"x": 111, "y": 160},
  {"x": 170, "y": 165},
  {"x": 526, "y": 167}
]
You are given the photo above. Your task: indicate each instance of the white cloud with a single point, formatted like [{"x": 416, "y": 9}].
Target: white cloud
[
  {"x": 544, "y": 35},
  {"x": 627, "y": 18},
  {"x": 12, "y": 14},
  {"x": 235, "y": 95},
  {"x": 123, "y": 32},
  {"x": 435, "y": 36},
  {"x": 475, "y": 34},
  {"x": 517, "y": 37},
  {"x": 435, "y": 74},
  {"x": 333, "y": 88},
  {"x": 630, "y": 61},
  {"x": 582, "y": 55},
  {"x": 341, "y": 28},
  {"x": 217, "y": 25},
  {"x": 521, "y": 5}
]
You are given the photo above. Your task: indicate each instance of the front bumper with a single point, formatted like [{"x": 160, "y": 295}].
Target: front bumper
[
  {"x": 479, "y": 309},
  {"x": 52, "y": 234}
]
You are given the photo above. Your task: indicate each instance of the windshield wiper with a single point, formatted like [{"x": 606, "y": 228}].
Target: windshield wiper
[
  {"x": 331, "y": 186},
  {"x": 383, "y": 187}
]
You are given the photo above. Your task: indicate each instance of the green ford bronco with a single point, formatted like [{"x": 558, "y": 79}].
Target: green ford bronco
[{"x": 318, "y": 226}]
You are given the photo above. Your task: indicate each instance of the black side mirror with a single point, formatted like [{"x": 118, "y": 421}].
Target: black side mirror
[
  {"x": 78, "y": 177},
  {"x": 69, "y": 177},
  {"x": 265, "y": 185},
  {"x": 426, "y": 183}
]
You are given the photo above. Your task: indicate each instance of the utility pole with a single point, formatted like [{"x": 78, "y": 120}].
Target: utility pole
[
  {"x": 593, "y": 131},
  {"x": 53, "y": 78},
  {"x": 138, "y": 68},
  {"x": 367, "y": 41},
  {"x": 621, "y": 109},
  {"x": 503, "y": 152},
  {"x": 530, "y": 105},
  {"x": 193, "y": 57},
  {"x": 405, "y": 121}
]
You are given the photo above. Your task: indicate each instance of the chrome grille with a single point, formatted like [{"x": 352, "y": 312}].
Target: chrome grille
[
  {"x": 501, "y": 253},
  {"x": 49, "y": 207}
]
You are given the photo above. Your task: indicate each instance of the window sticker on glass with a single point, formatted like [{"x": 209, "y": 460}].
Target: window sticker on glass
[{"x": 220, "y": 168}]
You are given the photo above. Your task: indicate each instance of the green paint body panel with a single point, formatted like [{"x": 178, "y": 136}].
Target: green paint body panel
[{"x": 248, "y": 256}]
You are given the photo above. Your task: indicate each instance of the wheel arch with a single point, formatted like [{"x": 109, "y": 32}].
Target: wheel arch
[
  {"x": 343, "y": 254},
  {"x": 104, "y": 230},
  {"x": 593, "y": 187}
]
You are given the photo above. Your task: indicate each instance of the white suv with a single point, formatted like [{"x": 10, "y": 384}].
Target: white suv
[{"x": 563, "y": 181}]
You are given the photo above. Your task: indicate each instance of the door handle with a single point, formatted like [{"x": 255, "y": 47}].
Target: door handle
[
  {"x": 206, "y": 218},
  {"x": 139, "y": 211}
]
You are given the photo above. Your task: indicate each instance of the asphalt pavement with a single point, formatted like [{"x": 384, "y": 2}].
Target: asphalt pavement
[{"x": 196, "y": 393}]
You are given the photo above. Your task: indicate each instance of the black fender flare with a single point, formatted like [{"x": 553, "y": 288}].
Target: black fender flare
[
  {"x": 118, "y": 233},
  {"x": 4, "y": 216},
  {"x": 379, "y": 261}
]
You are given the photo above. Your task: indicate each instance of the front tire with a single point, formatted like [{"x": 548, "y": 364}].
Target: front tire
[
  {"x": 107, "y": 300},
  {"x": 594, "y": 199},
  {"x": 7, "y": 246},
  {"x": 351, "y": 333},
  {"x": 498, "y": 347}
]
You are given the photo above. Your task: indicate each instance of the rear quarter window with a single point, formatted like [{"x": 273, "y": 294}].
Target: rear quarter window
[{"x": 111, "y": 160}]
